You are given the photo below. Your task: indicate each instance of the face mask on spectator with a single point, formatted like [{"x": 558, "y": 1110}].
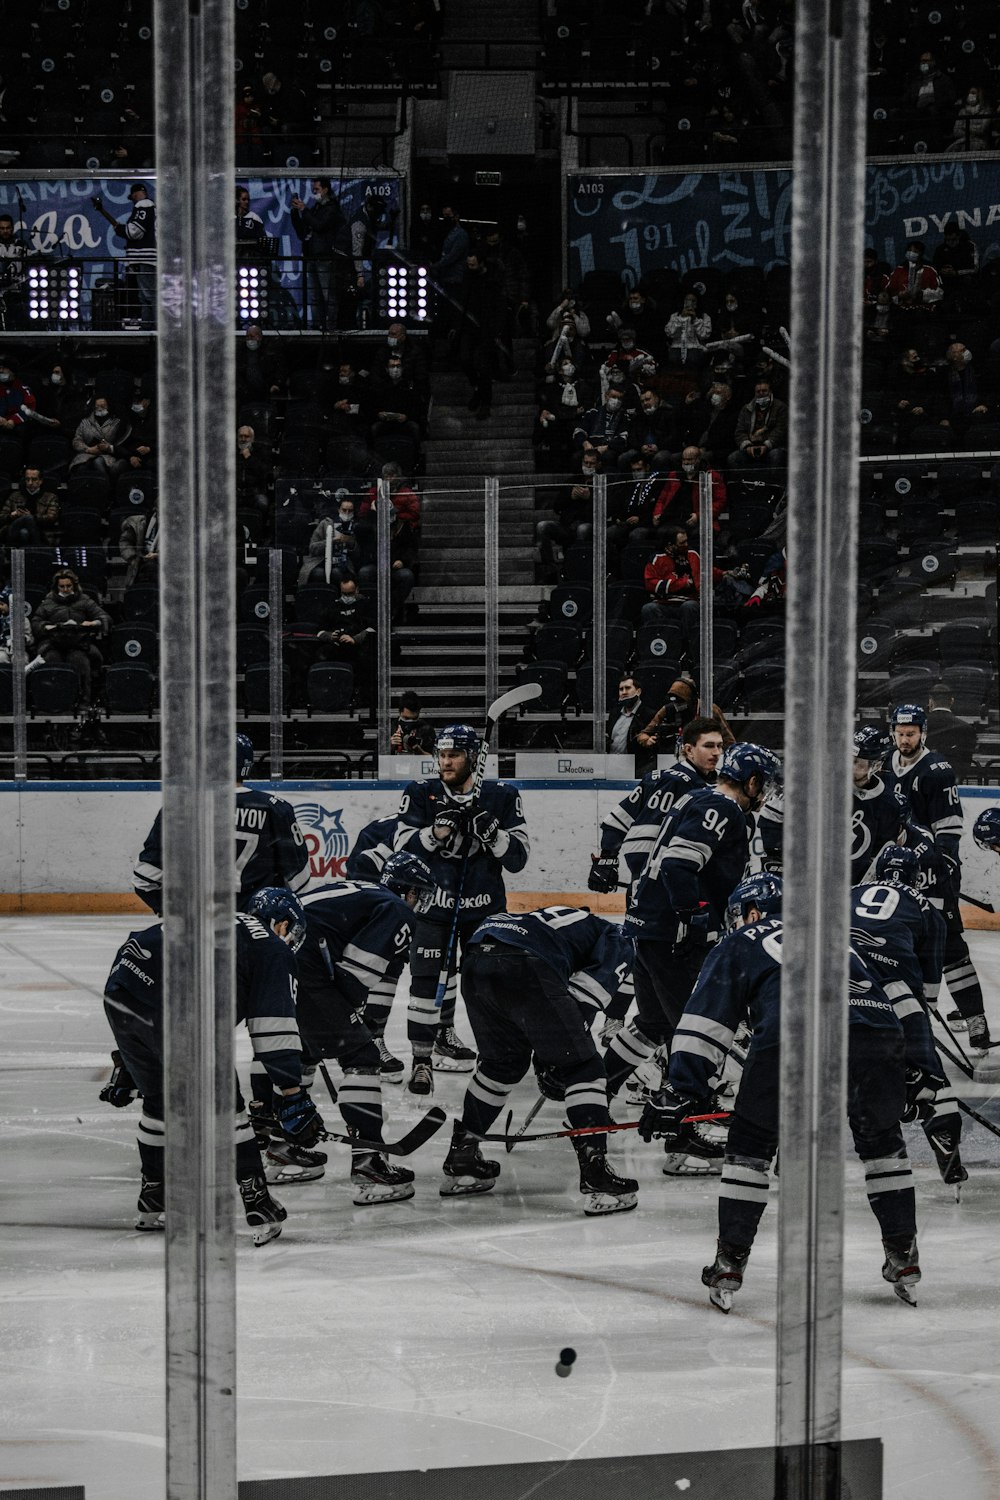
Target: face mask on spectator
[
  {"x": 138, "y": 408},
  {"x": 613, "y": 403},
  {"x": 101, "y": 413},
  {"x": 628, "y": 343},
  {"x": 715, "y": 398},
  {"x": 912, "y": 256},
  {"x": 343, "y": 379},
  {"x": 568, "y": 371},
  {"x": 731, "y": 304},
  {"x": 972, "y": 99},
  {"x": 762, "y": 400},
  {"x": 56, "y": 378},
  {"x": 253, "y": 343},
  {"x": 345, "y": 515},
  {"x": 635, "y": 304},
  {"x": 925, "y": 67},
  {"x": 6, "y": 376},
  {"x": 392, "y": 341},
  {"x": 690, "y": 469},
  {"x": 425, "y": 216},
  {"x": 394, "y": 372},
  {"x": 522, "y": 225}
]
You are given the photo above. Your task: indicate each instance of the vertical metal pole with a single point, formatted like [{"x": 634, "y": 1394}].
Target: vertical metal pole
[
  {"x": 599, "y": 637},
  {"x": 194, "y": 152},
  {"x": 491, "y": 593},
  {"x": 383, "y": 622},
  {"x": 706, "y": 596},
  {"x": 276, "y": 683},
  {"x": 18, "y": 661},
  {"x": 827, "y": 234}
]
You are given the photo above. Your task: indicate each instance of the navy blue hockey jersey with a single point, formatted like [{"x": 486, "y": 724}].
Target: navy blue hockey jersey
[
  {"x": 929, "y": 786},
  {"x": 357, "y": 937},
  {"x": 877, "y": 816},
  {"x": 630, "y": 829},
  {"x": 699, "y": 856},
  {"x": 372, "y": 848},
  {"x": 265, "y": 992},
  {"x": 741, "y": 981},
  {"x": 900, "y": 938},
  {"x": 483, "y": 889},
  {"x": 936, "y": 879},
  {"x": 592, "y": 957},
  {"x": 270, "y": 850}
]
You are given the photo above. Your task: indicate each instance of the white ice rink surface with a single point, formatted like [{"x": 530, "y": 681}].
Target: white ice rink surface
[{"x": 424, "y": 1334}]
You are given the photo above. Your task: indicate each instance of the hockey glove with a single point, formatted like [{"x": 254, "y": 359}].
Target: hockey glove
[
  {"x": 921, "y": 1087},
  {"x": 548, "y": 1082},
  {"x": 486, "y": 827},
  {"x": 694, "y": 927},
  {"x": 120, "y": 1088},
  {"x": 663, "y": 1116},
  {"x": 298, "y": 1118},
  {"x": 453, "y": 820},
  {"x": 603, "y": 875}
]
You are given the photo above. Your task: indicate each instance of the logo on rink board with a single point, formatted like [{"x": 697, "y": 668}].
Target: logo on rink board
[{"x": 326, "y": 839}]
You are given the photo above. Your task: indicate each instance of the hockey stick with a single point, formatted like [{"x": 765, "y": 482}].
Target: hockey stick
[
  {"x": 428, "y": 1124},
  {"x": 969, "y": 1071},
  {"x": 974, "y": 1114},
  {"x": 972, "y": 901},
  {"x": 519, "y": 1134},
  {"x": 557, "y": 1135},
  {"x": 512, "y": 699},
  {"x": 958, "y": 1058}
]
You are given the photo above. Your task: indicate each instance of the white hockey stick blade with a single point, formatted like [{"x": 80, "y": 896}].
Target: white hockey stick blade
[{"x": 513, "y": 699}]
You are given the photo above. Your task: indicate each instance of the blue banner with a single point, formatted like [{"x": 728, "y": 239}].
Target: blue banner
[
  {"x": 60, "y": 218},
  {"x": 633, "y": 224}
]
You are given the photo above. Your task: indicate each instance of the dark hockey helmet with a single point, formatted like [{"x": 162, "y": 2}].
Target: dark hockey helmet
[
  {"x": 273, "y": 903},
  {"x": 897, "y": 865},
  {"x": 908, "y": 713},
  {"x": 872, "y": 745},
  {"x": 760, "y": 892},
  {"x": 986, "y": 829},
  {"x": 404, "y": 872},
  {"x": 741, "y": 761},
  {"x": 458, "y": 737},
  {"x": 244, "y": 756}
]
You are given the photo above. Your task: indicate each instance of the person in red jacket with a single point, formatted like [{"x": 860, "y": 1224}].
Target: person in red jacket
[
  {"x": 672, "y": 580},
  {"x": 914, "y": 285},
  {"x": 679, "y": 502}
]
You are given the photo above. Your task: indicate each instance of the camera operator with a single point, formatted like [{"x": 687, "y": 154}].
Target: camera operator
[{"x": 412, "y": 735}]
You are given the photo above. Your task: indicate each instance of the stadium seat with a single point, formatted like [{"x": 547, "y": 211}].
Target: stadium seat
[
  {"x": 571, "y": 604},
  {"x": 660, "y": 643},
  {"x": 254, "y": 607},
  {"x": 558, "y": 643},
  {"x": 252, "y": 645},
  {"x": 963, "y": 642},
  {"x": 134, "y": 642},
  {"x": 330, "y": 687},
  {"x": 257, "y": 688},
  {"x": 53, "y": 689},
  {"x": 970, "y": 687},
  {"x": 140, "y": 602},
  {"x": 624, "y": 601},
  {"x": 875, "y": 639},
  {"x": 585, "y": 687},
  {"x": 551, "y": 677},
  {"x": 6, "y": 690},
  {"x": 764, "y": 686},
  {"x": 312, "y": 601},
  {"x": 129, "y": 688},
  {"x": 655, "y": 681}
]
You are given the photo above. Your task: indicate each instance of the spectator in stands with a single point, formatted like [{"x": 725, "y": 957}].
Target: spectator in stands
[
  {"x": 139, "y": 234},
  {"x": 6, "y": 644},
  {"x": 326, "y": 250},
  {"x": 568, "y": 310},
  {"x": 426, "y": 238},
  {"x": 58, "y": 399},
  {"x": 250, "y": 232},
  {"x": 139, "y": 545},
  {"x": 910, "y": 391},
  {"x": 627, "y": 359},
  {"x": 67, "y": 626},
  {"x": 404, "y": 538},
  {"x": 30, "y": 515},
  {"x": 956, "y": 261},
  {"x": 341, "y": 525},
  {"x": 973, "y": 129},
  {"x": 761, "y": 429},
  {"x": 346, "y": 634},
  {"x": 480, "y": 328},
  {"x": 687, "y": 331},
  {"x": 950, "y": 736},
  {"x": 348, "y": 407},
  {"x": 285, "y": 114},
  {"x": 562, "y": 399},
  {"x": 708, "y": 421},
  {"x": 930, "y": 97},
  {"x": 875, "y": 277},
  {"x": 738, "y": 320},
  {"x": 653, "y": 432},
  {"x": 638, "y": 311},
  {"x": 964, "y": 400},
  {"x": 449, "y": 270},
  {"x": 914, "y": 286},
  {"x": 100, "y": 443},
  {"x": 15, "y": 253},
  {"x": 413, "y": 734},
  {"x": 249, "y": 131},
  {"x": 604, "y": 430},
  {"x": 566, "y": 344},
  {"x": 514, "y": 279},
  {"x": 16, "y": 402},
  {"x": 639, "y": 728},
  {"x": 260, "y": 375},
  {"x": 574, "y": 515},
  {"x": 684, "y": 700},
  {"x": 414, "y": 356},
  {"x": 679, "y": 502},
  {"x": 672, "y": 581},
  {"x": 253, "y": 473},
  {"x": 631, "y": 507},
  {"x": 397, "y": 406}
]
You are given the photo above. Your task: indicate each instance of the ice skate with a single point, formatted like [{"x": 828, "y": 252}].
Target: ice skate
[
  {"x": 450, "y": 1053},
  {"x": 150, "y": 1205},
  {"x": 944, "y": 1144},
  {"x": 376, "y": 1180},
  {"x": 902, "y": 1268},
  {"x": 466, "y": 1169},
  {"x": 696, "y": 1156},
  {"x": 285, "y": 1163},
  {"x": 604, "y": 1192},
  {"x": 956, "y": 1021},
  {"x": 980, "y": 1040},
  {"x": 421, "y": 1076},
  {"x": 390, "y": 1068},
  {"x": 725, "y": 1276},
  {"x": 646, "y": 1076},
  {"x": 265, "y": 1214}
]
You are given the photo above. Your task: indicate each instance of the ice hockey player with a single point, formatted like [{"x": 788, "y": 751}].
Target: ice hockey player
[
  {"x": 468, "y": 849},
  {"x": 900, "y": 937},
  {"x": 629, "y": 830},
  {"x": 358, "y": 935},
  {"x": 986, "y": 830},
  {"x": 372, "y": 848},
  {"x": 270, "y": 848},
  {"x": 533, "y": 982},
  {"x": 265, "y": 1000},
  {"x": 878, "y": 808},
  {"x": 677, "y": 911},
  {"x": 742, "y": 978},
  {"x": 936, "y": 881}
]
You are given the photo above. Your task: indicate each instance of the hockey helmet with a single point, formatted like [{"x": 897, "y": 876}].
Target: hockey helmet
[
  {"x": 909, "y": 713},
  {"x": 986, "y": 829},
  {"x": 872, "y": 745},
  {"x": 404, "y": 872},
  {"x": 458, "y": 737},
  {"x": 244, "y": 756},
  {"x": 741, "y": 761},
  {"x": 897, "y": 865},
  {"x": 274, "y": 903},
  {"x": 760, "y": 892}
]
